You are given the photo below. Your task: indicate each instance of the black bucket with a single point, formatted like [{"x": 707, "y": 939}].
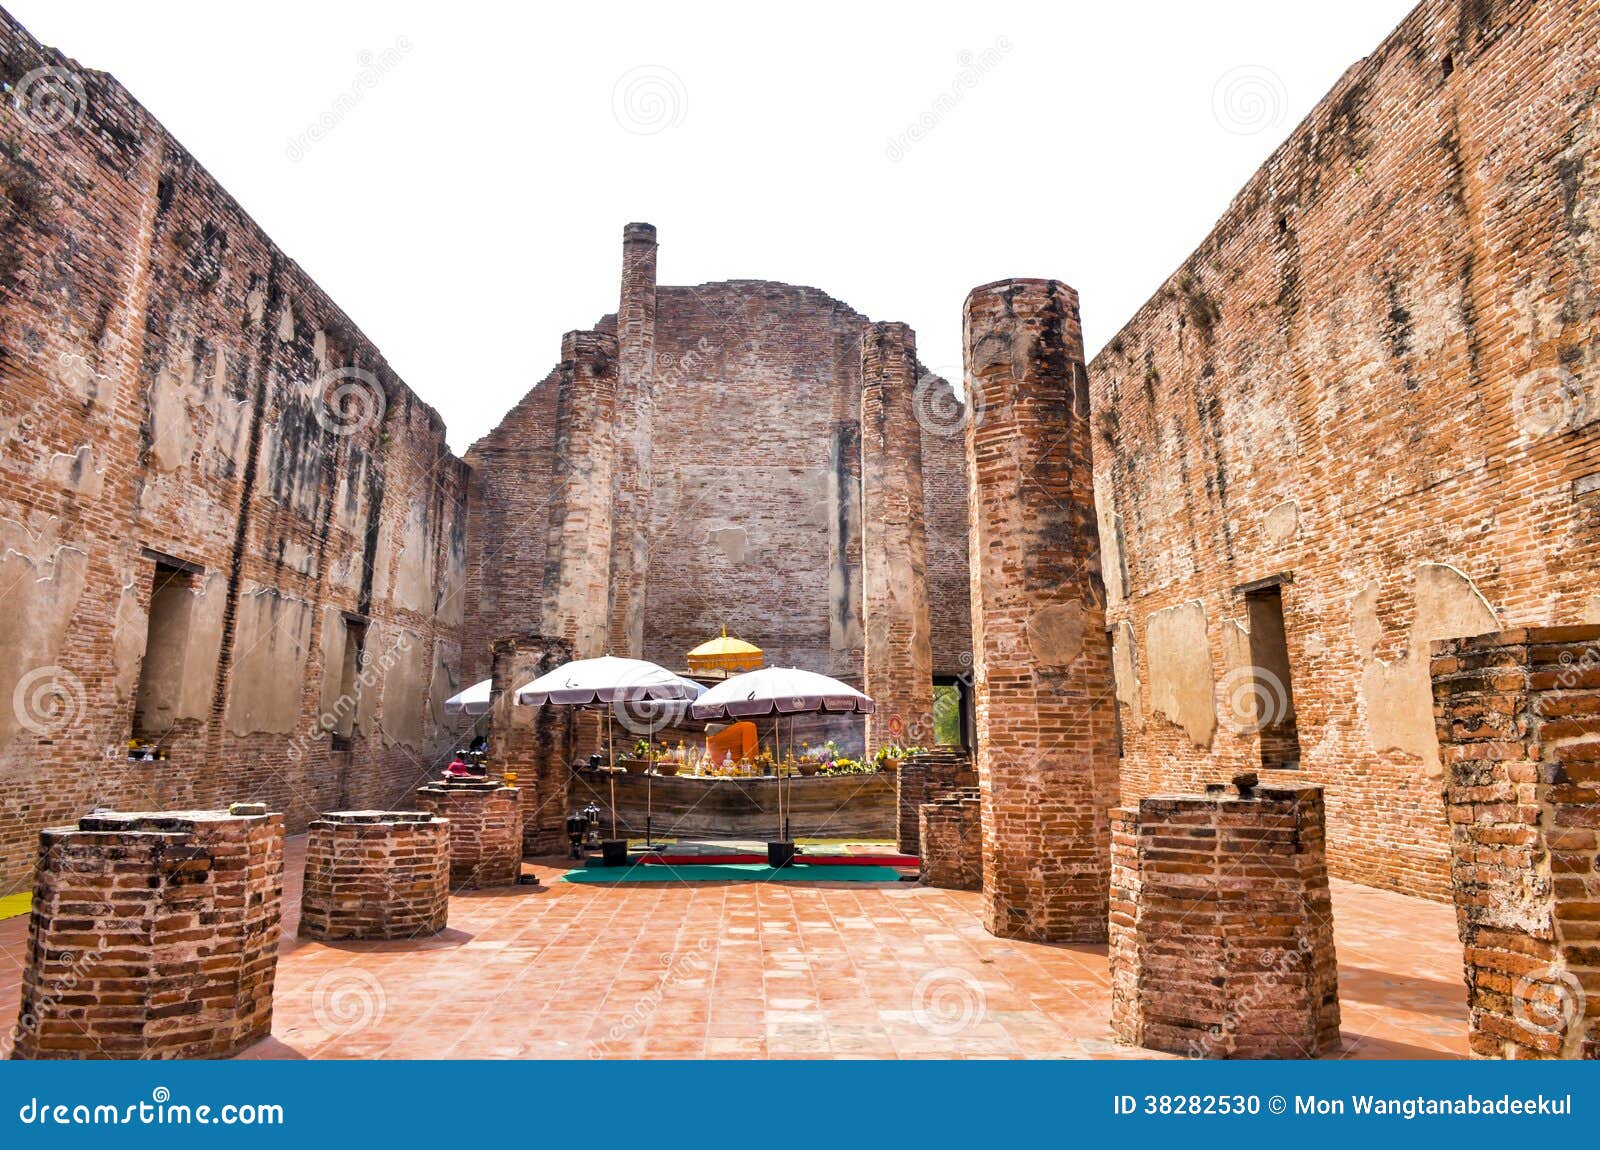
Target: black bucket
[
  {"x": 614, "y": 852},
  {"x": 780, "y": 854}
]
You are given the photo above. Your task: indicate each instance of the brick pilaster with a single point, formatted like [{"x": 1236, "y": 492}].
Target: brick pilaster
[
  {"x": 533, "y": 743},
  {"x": 899, "y": 653},
  {"x": 630, "y": 528}
]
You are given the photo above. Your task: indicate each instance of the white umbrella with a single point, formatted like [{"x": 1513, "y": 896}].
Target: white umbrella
[
  {"x": 607, "y": 679},
  {"x": 473, "y": 701},
  {"x": 780, "y": 691},
  {"x": 785, "y": 690}
]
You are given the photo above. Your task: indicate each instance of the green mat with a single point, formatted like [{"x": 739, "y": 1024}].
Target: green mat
[{"x": 732, "y": 872}]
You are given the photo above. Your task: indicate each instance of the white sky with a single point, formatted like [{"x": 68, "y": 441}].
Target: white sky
[{"x": 468, "y": 208}]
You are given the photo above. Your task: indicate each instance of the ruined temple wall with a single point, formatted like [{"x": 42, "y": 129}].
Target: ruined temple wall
[
  {"x": 509, "y": 531},
  {"x": 755, "y": 519},
  {"x": 1375, "y": 379},
  {"x": 175, "y": 385}
]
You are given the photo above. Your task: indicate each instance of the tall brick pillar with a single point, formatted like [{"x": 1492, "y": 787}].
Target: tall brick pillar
[
  {"x": 534, "y": 743},
  {"x": 1046, "y": 731},
  {"x": 1518, "y": 718},
  {"x": 630, "y": 523},
  {"x": 577, "y": 573},
  {"x": 899, "y": 654}
]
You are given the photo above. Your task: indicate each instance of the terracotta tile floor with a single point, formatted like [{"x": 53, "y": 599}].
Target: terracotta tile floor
[{"x": 744, "y": 970}]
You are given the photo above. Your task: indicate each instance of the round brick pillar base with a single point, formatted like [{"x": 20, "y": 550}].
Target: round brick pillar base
[
  {"x": 153, "y": 935},
  {"x": 376, "y": 874},
  {"x": 485, "y": 819}
]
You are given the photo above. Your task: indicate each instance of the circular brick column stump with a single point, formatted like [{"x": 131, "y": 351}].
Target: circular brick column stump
[
  {"x": 952, "y": 841},
  {"x": 1046, "y": 724},
  {"x": 376, "y": 874},
  {"x": 153, "y": 935},
  {"x": 1222, "y": 925},
  {"x": 485, "y": 818}
]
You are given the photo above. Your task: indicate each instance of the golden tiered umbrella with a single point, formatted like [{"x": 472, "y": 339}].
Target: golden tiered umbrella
[{"x": 724, "y": 656}]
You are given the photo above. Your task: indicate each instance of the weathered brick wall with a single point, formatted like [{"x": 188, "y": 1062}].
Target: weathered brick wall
[
  {"x": 153, "y": 935},
  {"x": 951, "y": 841},
  {"x": 897, "y": 649},
  {"x": 1222, "y": 926},
  {"x": 175, "y": 384},
  {"x": 1376, "y": 378},
  {"x": 375, "y": 874},
  {"x": 736, "y": 483},
  {"x": 485, "y": 819},
  {"x": 1046, "y": 728},
  {"x": 1518, "y": 720}
]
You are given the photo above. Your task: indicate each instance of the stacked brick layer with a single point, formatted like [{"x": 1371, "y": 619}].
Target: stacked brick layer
[
  {"x": 952, "y": 841},
  {"x": 153, "y": 935},
  {"x": 1222, "y": 927},
  {"x": 1518, "y": 716},
  {"x": 1047, "y": 751},
  {"x": 376, "y": 874},
  {"x": 485, "y": 820}
]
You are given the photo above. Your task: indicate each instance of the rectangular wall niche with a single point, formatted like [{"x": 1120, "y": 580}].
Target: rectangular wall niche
[
  {"x": 1273, "y": 687},
  {"x": 172, "y": 600},
  {"x": 350, "y": 664}
]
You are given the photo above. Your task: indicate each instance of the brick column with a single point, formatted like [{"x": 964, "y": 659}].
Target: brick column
[
  {"x": 153, "y": 935},
  {"x": 533, "y": 743},
  {"x": 923, "y": 779},
  {"x": 636, "y": 343},
  {"x": 952, "y": 841},
  {"x": 1518, "y": 718},
  {"x": 577, "y": 572},
  {"x": 1221, "y": 926},
  {"x": 899, "y": 654},
  {"x": 485, "y": 830},
  {"x": 1046, "y": 730},
  {"x": 375, "y": 874}
]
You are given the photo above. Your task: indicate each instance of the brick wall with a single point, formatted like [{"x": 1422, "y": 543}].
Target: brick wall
[
  {"x": 178, "y": 390},
  {"x": 1222, "y": 926},
  {"x": 153, "y": 935},
  {"x": 923, "y": 779},
  {"x": 1518, "y": 716},
  {"x": 534, "y": 743},
  {"x": 1375, "y": 381},
  {"x": 736, "y": 483}
]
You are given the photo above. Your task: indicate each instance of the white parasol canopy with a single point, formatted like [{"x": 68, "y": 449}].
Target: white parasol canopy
[
  {"x": 781, "y": 690},
  {"x": 607, "y": 679},
  {"x": 473, "y": 701}
]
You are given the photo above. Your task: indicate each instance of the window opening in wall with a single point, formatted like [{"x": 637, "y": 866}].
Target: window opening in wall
[
  {"x": 1273, "y": 693},
  {"x": 951, "y": 720},
  {"x": 351, "y": 662},
  {"x": 157, "y": 698}
]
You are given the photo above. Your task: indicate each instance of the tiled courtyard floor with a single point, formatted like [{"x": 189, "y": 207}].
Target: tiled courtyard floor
[{"x": 564, "y": 970}]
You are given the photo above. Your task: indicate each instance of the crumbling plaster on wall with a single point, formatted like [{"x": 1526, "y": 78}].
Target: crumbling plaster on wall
[{"x": 1397, "y": 696}]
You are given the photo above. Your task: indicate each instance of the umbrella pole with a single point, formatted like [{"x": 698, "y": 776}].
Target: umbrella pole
[
  {"x": 649, "y": 788},
  {"x": 611, "y": 761}
]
